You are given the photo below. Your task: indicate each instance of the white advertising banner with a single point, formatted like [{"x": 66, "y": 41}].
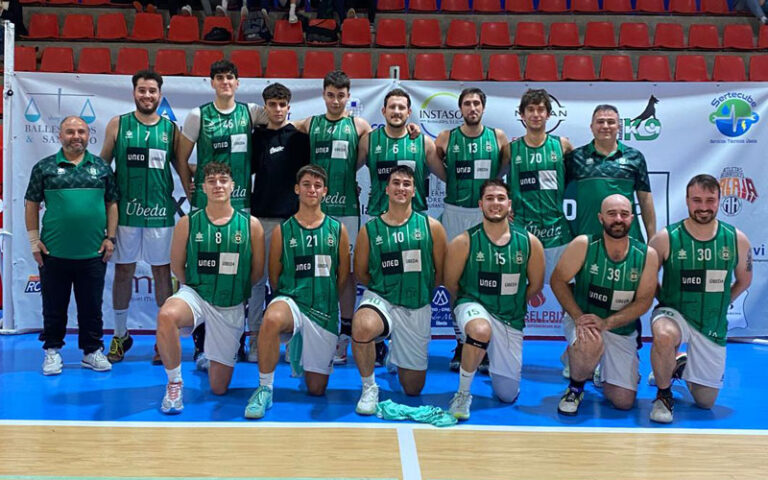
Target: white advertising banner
[{"x": 682, "y": 129}]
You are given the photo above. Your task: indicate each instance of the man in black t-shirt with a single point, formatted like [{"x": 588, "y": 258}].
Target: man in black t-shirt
[{"x": 279, "y": 151}]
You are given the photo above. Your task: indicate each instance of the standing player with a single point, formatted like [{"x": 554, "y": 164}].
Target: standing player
[
  {"x": 492, "y": 270},
  {"x": 142, "y": 144},
  {"x": 615, "y": 280},
  {"x": 707, "y": 265},
  {"x": 385, "y": 148},
  {"x": 217, "y": 252},
  {"x": 308, "y": 264},
  {"x": 472, "y": 154},
  {"x": 399, "y": 257}
]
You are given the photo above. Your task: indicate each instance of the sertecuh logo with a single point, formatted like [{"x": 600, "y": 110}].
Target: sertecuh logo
[{"x": 733, "y": 116}]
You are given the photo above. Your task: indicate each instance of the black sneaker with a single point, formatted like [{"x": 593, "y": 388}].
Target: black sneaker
[
  {"x": 455, "y": 364},
  {"x": 484, "y": 365},
  {"x": 156, "y": 360},
  {"x": 381, "y": 353},
  {"x": 241, "y": 355},
  {"x": 680, "y": 362}
]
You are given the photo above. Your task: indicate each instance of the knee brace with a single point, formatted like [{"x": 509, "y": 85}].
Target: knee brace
[{"x": 476, "y": 343}]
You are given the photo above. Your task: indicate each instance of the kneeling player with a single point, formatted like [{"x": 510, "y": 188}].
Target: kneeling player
[
  {"x": 492, "y": 270},
  {"x": 309, "y": 263},
  {"x": 216, "y": 254}
]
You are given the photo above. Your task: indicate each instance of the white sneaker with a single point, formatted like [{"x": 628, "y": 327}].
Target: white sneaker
[
  {"x": 292, "y": 18},
  {"x": 597, "y": 377},
  {"x": 186, "y": 11},
  {"x": 460, "y": 404},
  {"x": 96, "y": 361},
  {"x": 202, "y": 363},
  {"x": 662, "y": 410},
  {"x": 253, "y": 350},
  {"x": 340, "y": 357},
  {"x": 221, "y": 11},
  {"x": 368, "y": 400},
  {"x": 52, "y": 363},
  {"x": 173, "y": 399},
  {"x": 243, "y": 13}
]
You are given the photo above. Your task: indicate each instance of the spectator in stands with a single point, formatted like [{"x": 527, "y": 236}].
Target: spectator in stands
[
  {"x": 758, "y": 8},
  {"x": 265, "y": 6},
  {"x": 11, "y": 11}
]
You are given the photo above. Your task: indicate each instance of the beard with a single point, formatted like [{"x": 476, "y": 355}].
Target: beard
[
  {"x": 495, "y": 219},
  {"x": 614, "y": 232},
  {"x": 472, "y": 123},
  {"x": 702, "y": 217},
  {"x": 146, "y": 111}
]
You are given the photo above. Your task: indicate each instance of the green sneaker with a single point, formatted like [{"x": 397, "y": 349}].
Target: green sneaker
[
  {"x": 260, "y": 401},
  {"x": 118, "y": 347}
]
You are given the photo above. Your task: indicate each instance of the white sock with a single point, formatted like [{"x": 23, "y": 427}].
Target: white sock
[
  {"x": 465, "y": 379},
  {"x": 267, "y": 379},
  {"x": 368, "y": 381},
  {"x": 174, "y": 374},
  {"x": 121, "y": 322}
]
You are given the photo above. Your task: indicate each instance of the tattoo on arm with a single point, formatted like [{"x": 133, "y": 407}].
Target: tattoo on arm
[{"x": 749, "y": 260}]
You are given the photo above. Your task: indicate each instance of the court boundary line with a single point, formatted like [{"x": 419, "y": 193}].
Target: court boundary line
[
  {"x": 661, "y": 430},
  {"x": 409, "y": 455}
]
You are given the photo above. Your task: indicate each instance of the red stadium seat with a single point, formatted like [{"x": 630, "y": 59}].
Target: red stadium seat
[
  {"x": 578, "y": 67},
  {"x": 58, "y": 60},
  {"x": 691, "y": 68},
  {"x": 202, "y": 60},
  {"x": 171, "y": 62},
  {"x": 318, "y": 63},
  {"x": 357, "y": 64},
  {"x": 131, "y": 60},
  {"x": 585, "y": 6},
  {"x": 467, "y": 67},
  {"x": 486, "y": 6},
  {"x": 530, "y": 34},
  {"x": 426, "y": 33},
  {"x": 553, "y": 6},
  {"x": 715, "y": 7},
  {"x": 653, "y": 68},
  {"x": 494, "y": 35},
  {"x": 541, "y": 67},
  {"x": 729, "y": 68},
  {"x": 356, "y": 32},
  {"x": 617, "y": 6},
  {"x": 762, "y": 37},
  {"x": 183, "y": 29},
  {"x": 111, "y": 26},
  {"x": 287, "y": 33},
  {"x": 668, "y": 35},
  {"x": 600, "y": 35},
  {"x": 24, "y": 59},
  {"x": 390, "y": 5},
  {"x": 739, "y": 37},
  {"x": 94, "y": 60},
  {"x": 616, "y": 68},
  {"x": 391, "y": 33},
  {"x": 564, "y": 35},
  {"x": 248, "y": 62},
  {"x": 634, "y": 35},
  {"x": 387, "y": 60},
  {"x": 429, "y": 66},
  {"x": 504, "y": 67},
  {"x": 43, "y": 26},
  {"x": 703, "y": 36},
  {"x": 77, "y": 26},
  {"x": 518, "y": 6},
  {"x": 428, "y": 6},
  {"x": 758, "y": 68},
  {"x": 217, "y": 22},
  {"x": 686, "y": 7},
  {"x": 282, "y": 64},
  {"x": 650, "y": 6},
  {"x": 147, "y": 27},
  {"x": 461, "y": 34},
  {"x": 454, "y": 6}
]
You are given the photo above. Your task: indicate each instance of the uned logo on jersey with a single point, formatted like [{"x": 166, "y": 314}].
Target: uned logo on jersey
[{"x": 735, "y": 189}]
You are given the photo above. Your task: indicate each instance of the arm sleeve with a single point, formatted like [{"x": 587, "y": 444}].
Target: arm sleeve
[
  {"x": 35, "y": 187},
  {"x": 191, "y": 128}
]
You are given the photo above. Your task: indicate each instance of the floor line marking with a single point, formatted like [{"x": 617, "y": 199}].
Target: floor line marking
[
  {"x": 409, "y": 456},
  {"x": 490, "y": 428}
]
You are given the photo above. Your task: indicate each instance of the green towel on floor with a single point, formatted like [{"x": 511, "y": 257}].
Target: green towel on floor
[
  {"x": 389, "y": 410},
  {"x": 295, "y": 346}
]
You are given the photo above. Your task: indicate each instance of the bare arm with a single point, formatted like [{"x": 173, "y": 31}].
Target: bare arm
[
  {"x": 257, "y": 251},
  {"x": 179, "y": 249},
  {"x": 275, "y": 257},
  {"x": 184, "y": 147},
  {"x": 413, "y": 130},
  {"x": 566, "y": 145},
  {"x": 743, "y": 271},
  {"x": 434, "y": 163},
  {"x": 438, "y": 249},
  {"x": 361, "y": 257},
  {"x": 504, "y": 152},
  {"x": 643, "y": 296},
  {"x": 569, "y": 265},
  {"x": 362, "y": 126},
  {"x": 455, "y": 260},
  {"x": 441, "y": 144},
  {"x": 110, "y": 136},
  {"x": 184, "y": 175},
  {"x": 645, "y": 199},
  {"x": 362, "y": 150},
  {"x": 343, "y": 270},
  {"x": 107, "y": 247},
  {"x": 660, "y": 244},
  {"x": 302, "y": 125},
  {"x": 535, "y": 269},
  {"x": 32, "y": 221}
]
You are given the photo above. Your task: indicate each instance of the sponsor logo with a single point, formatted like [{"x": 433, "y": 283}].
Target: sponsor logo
[
  {"x": 644, "y": 127},
  {"x": 440, "y": 298},
  {"x": 45, "y": 110},
  {"x": 134, "y": 208},
  {"x": 198, "y": 237},
  {"x": 439, "y": 112},
  {"x": 733, "y": 115},
  {"x": 735, "y": 189},
  {"x": 355, "y": 107},
  {"x": 275, "y": 150},
  {"x": 33, "y": 284},
  {"x": 556, "y": 118},
  {"x": 480, "y": 257},
  {"x": 293, "y": 243},
  {"x": 165, "y": 110}
]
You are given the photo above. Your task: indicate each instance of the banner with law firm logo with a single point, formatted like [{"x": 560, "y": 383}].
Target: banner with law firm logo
[{"x": 682, "y": 130}]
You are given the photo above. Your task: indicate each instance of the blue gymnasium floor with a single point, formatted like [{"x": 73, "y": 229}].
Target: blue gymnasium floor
[{"x": 133, "y": 389}]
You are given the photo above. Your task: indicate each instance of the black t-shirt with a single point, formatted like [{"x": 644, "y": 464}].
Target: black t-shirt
[{"x": 277, "y": 157}]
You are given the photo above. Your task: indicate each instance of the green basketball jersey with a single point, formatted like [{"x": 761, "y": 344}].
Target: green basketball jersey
[
  {"x": 603, "y": 287},
  {"x": 225, "y": 138},
  {"x": 333, "y": 146},
  {"x": 400, "y": 261},
  {"x": 496, "y": 276},
  {"x": 219, "y": 258},
  {"x": 143, "y": 156},
  {"x": 469, "y": 162},
  {"x": 310, "y": 261},
  {"x": 697, "y": 278},
  {"x": 384, "y": 154},
  {"x": 537, "y": 187}
]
